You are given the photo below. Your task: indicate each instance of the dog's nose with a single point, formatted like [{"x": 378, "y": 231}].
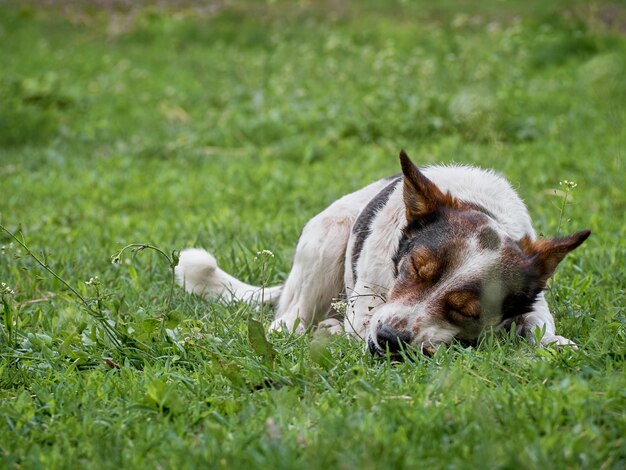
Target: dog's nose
[{"x": 391, "y": 339}]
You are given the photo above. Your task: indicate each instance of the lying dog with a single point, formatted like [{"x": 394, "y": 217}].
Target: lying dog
[{"x": 422, "y": 258}]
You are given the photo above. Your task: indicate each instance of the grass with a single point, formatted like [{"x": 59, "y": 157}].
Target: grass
[{"x": 228, "y": 126}]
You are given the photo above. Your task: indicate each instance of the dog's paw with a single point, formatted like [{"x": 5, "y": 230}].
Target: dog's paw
[
  {"x": 277, "y": 325},
  {"x": 287, "y": 324},
  {"x": 331, "y": 326},
  {"x": 557, "y": 341}
]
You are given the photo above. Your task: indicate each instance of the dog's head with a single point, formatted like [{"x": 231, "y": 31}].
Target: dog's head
[{"x": 457, "y": 271}]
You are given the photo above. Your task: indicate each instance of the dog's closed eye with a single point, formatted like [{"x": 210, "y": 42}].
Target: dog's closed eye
[
  {"x": 426, "y": 266},
  {"x": 462, "y": 305}
]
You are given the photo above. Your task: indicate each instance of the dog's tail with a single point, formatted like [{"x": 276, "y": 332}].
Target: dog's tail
[{"x": 198, "y": 273}]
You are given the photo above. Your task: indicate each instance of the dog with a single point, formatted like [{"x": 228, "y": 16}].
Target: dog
[{"x": 421, "y": 258}]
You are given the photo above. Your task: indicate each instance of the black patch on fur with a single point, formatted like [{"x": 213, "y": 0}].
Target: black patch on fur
[
  {"x": 488, "y": 239},
  {"x": 518, "y": 303},
  {"x": 473, "y": 287},
  {"x": 524, "y": 287},
  {"x": 363, "y": 225}
]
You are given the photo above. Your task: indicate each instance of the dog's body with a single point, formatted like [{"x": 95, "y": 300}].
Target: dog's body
[{"x": 420, "y": 258}]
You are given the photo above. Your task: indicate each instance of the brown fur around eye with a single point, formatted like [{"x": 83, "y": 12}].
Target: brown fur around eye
[
  {"x": 426, "y": 265},
  {"x": 465, "y": 303}
]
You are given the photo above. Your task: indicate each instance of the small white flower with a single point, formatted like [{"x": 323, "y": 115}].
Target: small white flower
[
  {"x": 264, "y": 254},
  {"x": 92, "y": 281},
  {"x": 5, "y": 289},
  {"x": 569, "y": 185},
  {"x": 339, "y": 306}
]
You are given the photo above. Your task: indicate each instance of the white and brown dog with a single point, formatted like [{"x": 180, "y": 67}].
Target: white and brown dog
[{"x": 420, "y": 258}]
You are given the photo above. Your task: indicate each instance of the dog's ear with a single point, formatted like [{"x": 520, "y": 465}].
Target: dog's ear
[
  {"x": 547, "y": 254},
  {"x": 421, "y": 196}
]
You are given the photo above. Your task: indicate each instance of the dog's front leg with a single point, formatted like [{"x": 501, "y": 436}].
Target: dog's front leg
[
  {"x": 316, "y": 276},
  {"x": 541, "y": 318},
  {"x": 300, "y": 300}
]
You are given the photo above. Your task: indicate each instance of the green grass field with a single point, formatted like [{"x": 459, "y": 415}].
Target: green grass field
[{"x": 227, "y": 125}]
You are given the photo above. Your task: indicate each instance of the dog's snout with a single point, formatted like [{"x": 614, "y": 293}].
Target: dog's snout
[{"x": 391, "y": 339}]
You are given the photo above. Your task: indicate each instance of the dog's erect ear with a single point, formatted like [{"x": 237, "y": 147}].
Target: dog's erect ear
[
  {"x": 547, "y": 254},
  {"x": 421, "y": 196}
]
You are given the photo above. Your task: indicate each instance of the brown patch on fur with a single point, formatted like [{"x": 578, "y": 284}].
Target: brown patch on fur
[
  {"x": 426, "y": 265},
  {"x": 464, "y": 302},
  {"x": 421, "y": 273},
  {"x": 467, "y": 220},
  {"x": 547, "y": 254}
]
